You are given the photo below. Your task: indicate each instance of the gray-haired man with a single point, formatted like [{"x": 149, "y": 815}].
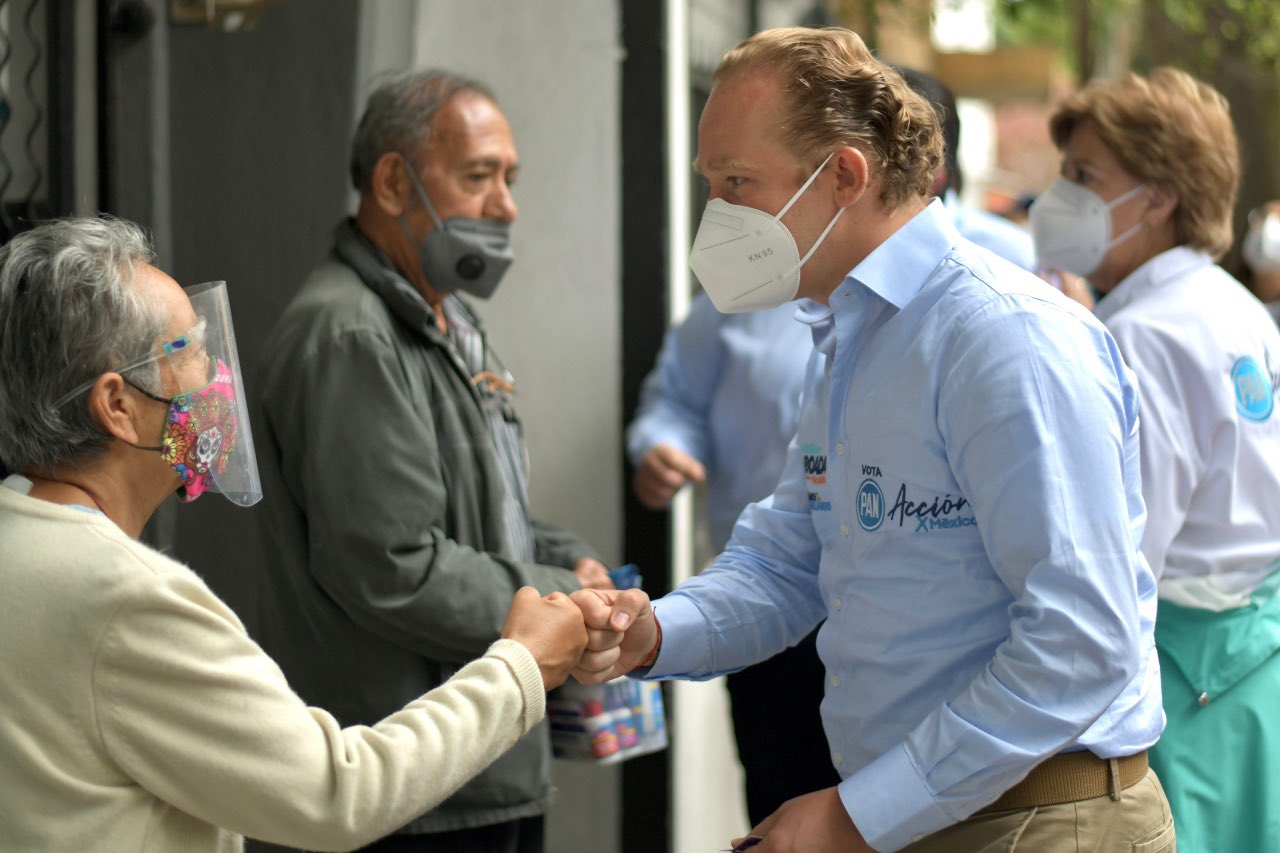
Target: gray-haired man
[{"x": 402, "y": 527}]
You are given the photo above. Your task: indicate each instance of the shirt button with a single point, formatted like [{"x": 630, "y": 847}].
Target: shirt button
[
  {"x": 836, "y": 604},
  {"x": 838, "y": 758},
  {"x": 835, "y": 681},
  {"x": 840, "y": 449},
  {"x": 844, "y": 529},
  {"x": 1204, "y": 699}
]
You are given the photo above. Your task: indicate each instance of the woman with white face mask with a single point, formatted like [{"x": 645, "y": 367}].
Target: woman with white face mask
[{"x": 1149, "y": 176}]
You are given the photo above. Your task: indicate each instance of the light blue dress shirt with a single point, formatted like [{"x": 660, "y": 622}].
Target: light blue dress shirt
[
  {"x": 726, "y": 390},
  {"x": 962, "y": 504}
]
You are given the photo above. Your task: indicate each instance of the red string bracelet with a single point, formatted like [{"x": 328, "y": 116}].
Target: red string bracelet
[{"x": 653, "y": 655}]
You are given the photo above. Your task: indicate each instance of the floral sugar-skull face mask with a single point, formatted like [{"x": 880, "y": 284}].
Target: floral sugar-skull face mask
[{"x": 200, "y": 433}]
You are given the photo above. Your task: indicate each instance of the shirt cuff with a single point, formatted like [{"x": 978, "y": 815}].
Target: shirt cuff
[
  {"x": 890, "y": 804},
  {"x": 684, "y": 645},
  {"x": 524, "y": 666},
  {"x": 645, "y": 436}
]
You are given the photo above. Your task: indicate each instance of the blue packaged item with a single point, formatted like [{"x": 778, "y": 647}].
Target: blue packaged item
[{"x": 626, "y": 577}]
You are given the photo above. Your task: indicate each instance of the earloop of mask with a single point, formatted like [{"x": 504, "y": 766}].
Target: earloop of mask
[
  {"x": 818, "y": 242},
  {"x": 421, "y": 191},
  {"x": 825, "y": 231},
  {"x": 805, "y": 186},
  {"x": 144, "y": 392},
  {"x": 1137, "y": 226}
]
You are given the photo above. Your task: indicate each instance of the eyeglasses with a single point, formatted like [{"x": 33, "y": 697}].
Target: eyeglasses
[{"x": 189, "y": 342}]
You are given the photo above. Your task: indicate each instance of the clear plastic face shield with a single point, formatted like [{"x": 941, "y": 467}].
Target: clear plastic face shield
[{"x": 207, "y": 438}]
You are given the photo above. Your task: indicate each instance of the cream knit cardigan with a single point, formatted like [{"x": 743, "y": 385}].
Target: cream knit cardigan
[{"x": 137, "y": 714}]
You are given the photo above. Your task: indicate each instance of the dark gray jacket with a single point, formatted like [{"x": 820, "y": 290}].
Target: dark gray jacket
[{"x": 382, "y": 526}]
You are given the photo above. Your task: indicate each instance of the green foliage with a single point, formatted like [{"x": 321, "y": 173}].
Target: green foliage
[
  {"x": 1209, "y": 29},
  {"x": 1251, "y": 26},
  {"x": 1024, "y": 22}
]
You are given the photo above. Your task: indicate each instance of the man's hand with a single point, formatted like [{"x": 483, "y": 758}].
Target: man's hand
[
  {"x": 621, "y": 632},
  {"x": 592, "y": 574},
  {"x": 663, "y": 470},
  {"x": 814, "y": 823},
  {"x": 551, "y": 629}
]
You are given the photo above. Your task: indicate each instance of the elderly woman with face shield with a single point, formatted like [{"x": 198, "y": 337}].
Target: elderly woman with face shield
[
  {"x": 1149, "y": 175},
  {"x": 135, "y": 712}
]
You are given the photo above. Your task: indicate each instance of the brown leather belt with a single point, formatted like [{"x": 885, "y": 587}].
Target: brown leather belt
[{"x": 1071, "y": 776}]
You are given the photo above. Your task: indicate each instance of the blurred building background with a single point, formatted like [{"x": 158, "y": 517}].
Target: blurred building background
[{"x": 224, "y": 125}]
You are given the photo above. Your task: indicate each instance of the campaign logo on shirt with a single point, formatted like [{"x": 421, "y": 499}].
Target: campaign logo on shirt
[
  {"x": 870, "y": 503},
  {"x": 815, "y": 464},
  {"x": 815, "y": 475},
  {"x": 935, "y": 512},
  {"x": 1255, "y": 397}
]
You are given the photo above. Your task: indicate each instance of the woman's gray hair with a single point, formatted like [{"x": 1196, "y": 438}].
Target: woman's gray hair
[
  {"x": 69, "y": 312},
  {"x": 397, "y": 117}
]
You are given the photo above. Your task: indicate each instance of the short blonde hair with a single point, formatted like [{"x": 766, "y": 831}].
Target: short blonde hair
[
  {"x": 1170, "y": 130},
  {"x": 841, "y": 95}
]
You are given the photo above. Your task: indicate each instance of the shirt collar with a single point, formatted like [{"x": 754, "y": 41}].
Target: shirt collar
[
  {"x": 818, "y": 318},
  {"x": 899, "y": 267},
  {"x": 23, "y": 486},
  {"x": 895, "y": 271},
  {"x": 17, "y": 483},
  {"x": 1165, "y": 267},
  {"x": 378, "y": 273}
]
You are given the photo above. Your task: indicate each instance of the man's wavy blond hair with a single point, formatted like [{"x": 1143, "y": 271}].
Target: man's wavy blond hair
[
  {"x": 839, "y": 94},
  {"x": 1169, "y": 130}
]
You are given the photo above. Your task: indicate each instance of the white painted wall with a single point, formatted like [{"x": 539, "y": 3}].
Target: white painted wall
[{"x": 556, "y": 71}]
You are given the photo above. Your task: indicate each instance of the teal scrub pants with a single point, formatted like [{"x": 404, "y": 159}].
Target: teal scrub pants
[{"x": 1219, "y": 756}]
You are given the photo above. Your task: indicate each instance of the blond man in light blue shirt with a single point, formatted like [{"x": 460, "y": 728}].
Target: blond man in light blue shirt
[{"x": 962, "y": 502}]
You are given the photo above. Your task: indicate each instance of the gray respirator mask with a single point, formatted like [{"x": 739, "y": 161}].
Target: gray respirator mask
[{"x": 461, "y": 254}]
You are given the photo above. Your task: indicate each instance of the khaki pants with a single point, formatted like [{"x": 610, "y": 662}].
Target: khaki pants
[{"x": 1138, "y": 822}]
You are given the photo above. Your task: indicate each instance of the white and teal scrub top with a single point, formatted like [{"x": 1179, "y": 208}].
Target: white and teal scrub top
[{"x": 1207, "y": 357}]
